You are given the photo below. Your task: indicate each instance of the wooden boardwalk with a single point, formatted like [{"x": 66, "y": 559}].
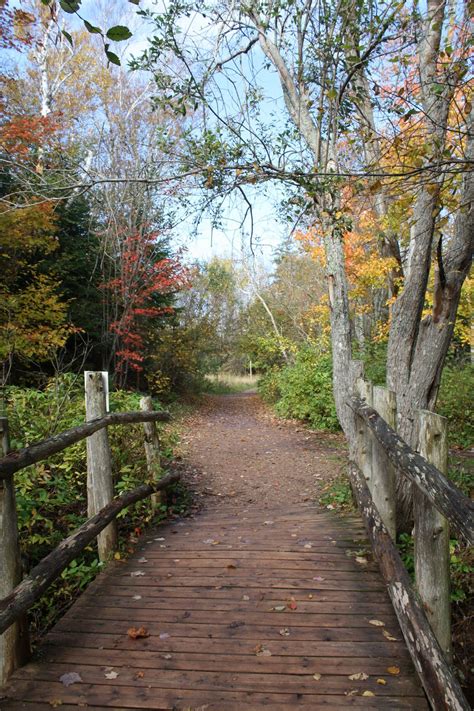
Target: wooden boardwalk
[{"x": 242, "y": 611}]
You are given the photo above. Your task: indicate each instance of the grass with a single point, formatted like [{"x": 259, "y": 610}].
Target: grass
[{"x": 226, "y": 383}]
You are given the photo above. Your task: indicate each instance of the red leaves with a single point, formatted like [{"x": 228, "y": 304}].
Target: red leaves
[{"x": 138, "y": 290}]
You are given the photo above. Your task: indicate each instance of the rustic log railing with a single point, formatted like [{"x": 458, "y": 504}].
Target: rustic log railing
[
  {"x": 16, "y": 595},
  {"x": 380, "y": 455}
]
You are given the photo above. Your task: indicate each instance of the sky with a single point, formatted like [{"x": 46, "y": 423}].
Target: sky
[{"x": 232, "y": 238}]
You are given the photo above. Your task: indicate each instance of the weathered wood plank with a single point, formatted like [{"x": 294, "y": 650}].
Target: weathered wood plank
[
  {"x": 43, "y": 574},
  {"x": 21, "y": 458},
  {"x": 442, "y": 493},
  {"x": 208, "y": 624},
  {"x": 441, "y": 686}
]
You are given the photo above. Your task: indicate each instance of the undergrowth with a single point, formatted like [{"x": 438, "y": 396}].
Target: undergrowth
[{"x": 52, "y": 496}]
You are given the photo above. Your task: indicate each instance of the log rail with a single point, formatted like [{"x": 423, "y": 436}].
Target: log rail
[
  {"x": 17, "y": 595},
  {"x": 378, "y": 457}
]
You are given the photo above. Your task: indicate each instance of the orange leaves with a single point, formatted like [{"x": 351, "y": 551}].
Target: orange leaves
[{"x": 138, "y": 632}]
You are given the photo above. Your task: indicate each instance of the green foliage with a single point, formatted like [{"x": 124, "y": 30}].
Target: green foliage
[
  {"x": 51, "y": 496},
  {"x": 461, "y": 566},
  {"x": 305, "y": 390},
  {"x": 455, "y": 403},
  {"x": 338, "y": 494}
]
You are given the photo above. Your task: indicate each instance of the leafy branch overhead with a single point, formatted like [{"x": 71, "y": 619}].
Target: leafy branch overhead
[{"x": 116, "y": 33}]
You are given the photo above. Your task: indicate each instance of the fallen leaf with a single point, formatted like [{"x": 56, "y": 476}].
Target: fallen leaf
[
  {"x": 143, "y": 560},
  {"x": 139, "y": 675},
  {"x": 307, "y": 545},
  {"x": 262, "y": 651},
  {"x": 231, "y": 566},
  {"x": 291, "y": 604},
  {"x": 164, "y": 635},
  {"x": 159, "y": 539},
  {"x": 360, "y": 676},
  {"x": 55, "y": 703},
  {"x": 70, "y": 678},
  {"x": 377, "y": 623},
  {"x": 362, "y": 561},
  {"x": 353, "y": 692},
  {"x": 137, "y": 597},
  {"x": 316, "y": 676},
  {"x": 111, "y": 675},
  {"x": 117, "y": 555},
  {"x": 137, "y": 633},
  {"x": 381, "y": 681},
  {"x": 137, "y": 573},
  {"x": 167, "y": 656},
  {"x": 393, "y": 670},
  {"x": 368, "y": 693},
  {"x": 285, "y": 632},
  {"x": 319, "y": 579},
  {"x": 388, "y": 636},
  {"x": 245, "y": 597},
  {"x": 279, "y": 608}
]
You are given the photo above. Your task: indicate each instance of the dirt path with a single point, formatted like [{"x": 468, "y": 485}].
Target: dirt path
[{"x": 240, "y": 456}]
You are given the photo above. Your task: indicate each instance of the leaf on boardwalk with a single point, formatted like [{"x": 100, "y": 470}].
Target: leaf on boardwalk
[
  {"x": 137, "y": 574},
  {"x": 167, "y": 656},
  {"x": 262, "y": 651},
  {"x": 138, "y": 632},
  {"x": 111, "y": 675},
  {"x": 362, "y": 561},
  {"x": 368, "y": 693},
  {"x": 139, "y": 675},
  {"x": 245, "y": 597},
  {"x": 307, "y": 545},
  {"x": 164, "y": 635},
  {"x": 143, "y": 560},
  {"x": 388, "y": 636},
  {"x": 382, "y": 682},
  {"x": 284, "y": 632},
  {"x": 137, "y": 597},
  {"x": 393, "y": 670},
  {"x": 291, "y": 604},
  {"x": 377, "y": 623},
  {"x": 70, "y": 678},
  {"x": 316, "y": 676},
  {"x": 360, "y": 676},
  {"x": 319, "y": 579},
  {"x": 279, "y": 608},
  {"x": 231, "y": 566}
]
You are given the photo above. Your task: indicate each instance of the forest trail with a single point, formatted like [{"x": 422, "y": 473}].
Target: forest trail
[
  {"x": 260, "y": 599},
  {"x": 242, "y": 457}
]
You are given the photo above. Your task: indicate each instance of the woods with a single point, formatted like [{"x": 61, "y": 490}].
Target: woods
[{"x": 324, "y": 151}]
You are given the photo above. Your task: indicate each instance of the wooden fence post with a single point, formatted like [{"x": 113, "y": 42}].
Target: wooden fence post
[
  {"x": 431, "y": 534},
  {"x": 100, "y": 487},
  {"x": 14, "y": 645},
  {"x": 364, "y": 390},
  {"x": 383, "y": 473},
  {"x": 152, "y": 449}
]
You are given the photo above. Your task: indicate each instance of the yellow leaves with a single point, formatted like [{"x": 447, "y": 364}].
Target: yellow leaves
[{"x": 393, "y": 670}]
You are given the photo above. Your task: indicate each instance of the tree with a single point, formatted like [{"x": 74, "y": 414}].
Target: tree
[{"x": 327, "y": 57}]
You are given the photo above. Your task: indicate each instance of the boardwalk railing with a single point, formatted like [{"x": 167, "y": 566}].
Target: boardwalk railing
[
  {"x": 380, "y": 456},
  {"x": 17, "y": 595}
]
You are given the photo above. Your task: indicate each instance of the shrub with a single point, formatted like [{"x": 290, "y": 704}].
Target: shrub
[
  {"x": 52, "y": 496},
  {"x": 304, "y": 390},
  {"x": 455, "y": 403}
]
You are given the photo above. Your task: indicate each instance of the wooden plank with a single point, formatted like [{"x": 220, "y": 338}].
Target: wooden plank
[
  {"x": 207, "y": 621},
  {"x": 233, "y": 645},
  {"x": 166, "y": 700},
  {"x": 200, "y": 661},
  {"x": 261, "y": 681}
]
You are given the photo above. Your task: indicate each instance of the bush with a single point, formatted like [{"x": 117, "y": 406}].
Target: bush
[
  {"x": 303, "y": 390},
  {"x": 52, "y": 495},
  {"x": 455, "y": 403}
]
